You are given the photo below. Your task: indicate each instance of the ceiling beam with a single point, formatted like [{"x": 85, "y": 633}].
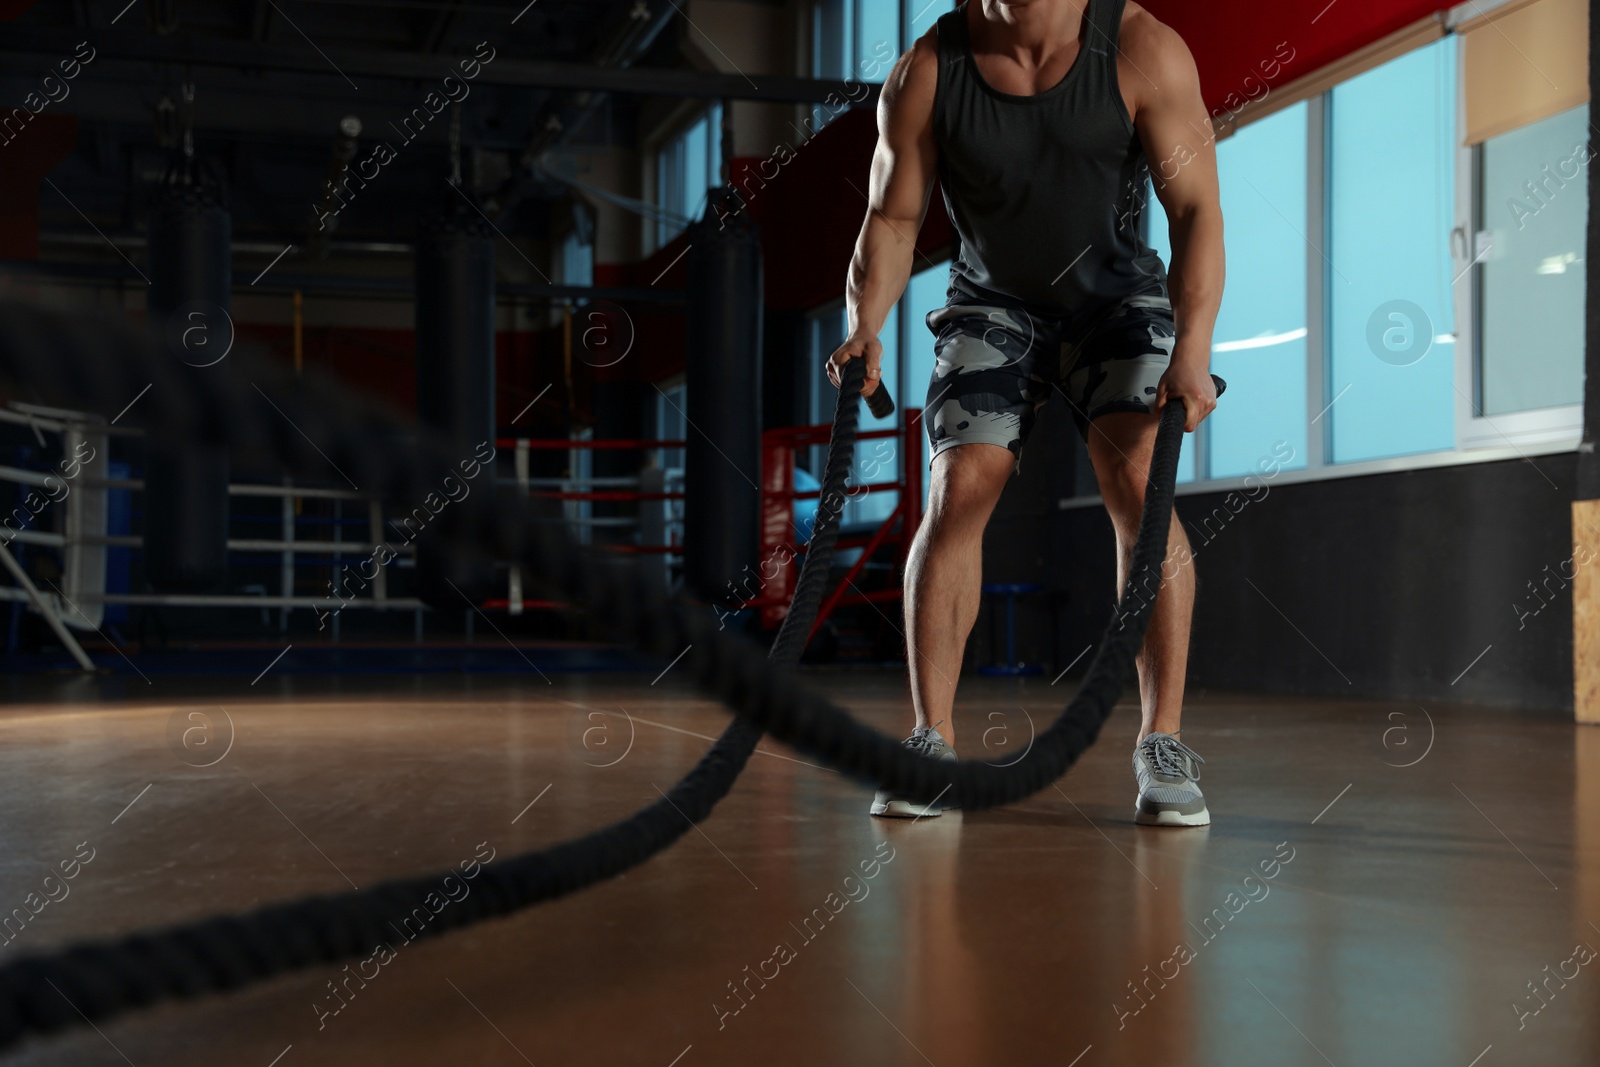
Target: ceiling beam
[
  {"x": 237, "y": 104},
  {"x": 403, "y": 287},
  {"x": 31, "y": 43}
]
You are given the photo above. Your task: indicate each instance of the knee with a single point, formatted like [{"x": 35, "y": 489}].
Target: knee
[
  {"x": 967, "y": 484},
  {"x": 1122, "y": 487}
]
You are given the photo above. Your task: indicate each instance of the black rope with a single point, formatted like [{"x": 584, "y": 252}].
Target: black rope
[{"x": 96, "y": 365}]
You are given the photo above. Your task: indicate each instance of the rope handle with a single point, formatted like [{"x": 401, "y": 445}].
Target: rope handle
[{"x": 879, "y": 402}]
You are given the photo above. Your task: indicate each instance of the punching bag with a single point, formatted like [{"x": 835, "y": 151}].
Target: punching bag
[
  {"x": 455, "y": 391},
  {"x": 722, "y": 461},
  {"x": 186, "y": 481}
]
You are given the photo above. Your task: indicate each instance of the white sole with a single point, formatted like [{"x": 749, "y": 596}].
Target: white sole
[
  {"x": 1171, "y": 818},
  {"x": 905, "y": 809}
]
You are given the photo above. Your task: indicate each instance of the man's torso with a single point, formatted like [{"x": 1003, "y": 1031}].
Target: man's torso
[{"x": 1045, "y": 189}]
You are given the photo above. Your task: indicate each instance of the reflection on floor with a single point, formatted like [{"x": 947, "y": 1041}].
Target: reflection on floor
[{"x": 1383, "y": 884}]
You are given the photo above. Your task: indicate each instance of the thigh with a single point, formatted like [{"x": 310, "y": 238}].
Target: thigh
[
  {"x": 1117, "y": 365},
  {"x": 986, "y": 386}
]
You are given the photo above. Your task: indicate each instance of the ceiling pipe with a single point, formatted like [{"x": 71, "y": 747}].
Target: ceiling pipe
[
  {"x": 630, "y": 38},
  {"x": 67, "y": 239},
  {"x": 400, "y": 287}
]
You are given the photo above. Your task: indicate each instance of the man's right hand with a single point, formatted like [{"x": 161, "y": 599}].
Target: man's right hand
[{"x": 857, "y": 347}]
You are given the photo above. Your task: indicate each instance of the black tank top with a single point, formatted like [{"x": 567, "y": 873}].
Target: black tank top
[{"x": 1047, "y": 191}]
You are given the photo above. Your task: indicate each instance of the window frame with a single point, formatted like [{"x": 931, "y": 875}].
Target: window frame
[
  {"x": 1479, "y": 438},
  {"x": 852, "y": 25},
  {"x": 907, "y": 12},
  {"x": 810, "y": 22},
  {"x": 1559, "y": 427},
  {"x": 669, "y": 137}
]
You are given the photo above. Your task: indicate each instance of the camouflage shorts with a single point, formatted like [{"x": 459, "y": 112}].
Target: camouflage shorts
[{"x": 995, "y": 367}]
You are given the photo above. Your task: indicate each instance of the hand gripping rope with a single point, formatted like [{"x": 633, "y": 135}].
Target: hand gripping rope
[{"x": 98, "y": 365}]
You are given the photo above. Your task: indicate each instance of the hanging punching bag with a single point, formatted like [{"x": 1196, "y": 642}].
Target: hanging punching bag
[
  {"x": 455, "y": 389},
  {"x": 186, "y": 481},
  {"x": 722, "y": 461}
]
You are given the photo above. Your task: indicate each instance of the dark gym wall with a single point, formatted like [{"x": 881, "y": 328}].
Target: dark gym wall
[{"x": 1400, "y": 580}]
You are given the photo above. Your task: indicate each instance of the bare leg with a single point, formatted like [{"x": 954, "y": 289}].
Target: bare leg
[
  {"x": 1120, "y": 446},
  {"x": 945, "y": 572}
]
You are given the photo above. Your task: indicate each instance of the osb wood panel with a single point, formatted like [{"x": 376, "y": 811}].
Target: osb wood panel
[{"x": 1586, "y": 610}]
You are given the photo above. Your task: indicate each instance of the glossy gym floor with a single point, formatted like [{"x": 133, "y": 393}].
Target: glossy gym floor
[{"x": 1382, "y": 884}]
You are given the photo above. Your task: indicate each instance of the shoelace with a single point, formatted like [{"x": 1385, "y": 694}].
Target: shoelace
[
  {"x": 923, "y": 742},
  {"x": 1172, "y": 757}
]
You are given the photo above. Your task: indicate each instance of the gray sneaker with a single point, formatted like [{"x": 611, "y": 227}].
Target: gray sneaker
[
  {"x": 924, "y": 741},
  {"x": 1167, "y": 771}
]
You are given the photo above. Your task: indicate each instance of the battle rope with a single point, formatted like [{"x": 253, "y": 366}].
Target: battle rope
[{"x": 96, "y": 365}]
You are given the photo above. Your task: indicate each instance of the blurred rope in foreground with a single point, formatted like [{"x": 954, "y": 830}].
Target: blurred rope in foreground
[{"x": 97, "y": 365}]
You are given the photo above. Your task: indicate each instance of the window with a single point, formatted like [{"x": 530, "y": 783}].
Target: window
[
  {"x": 1389, "y": 276},
  {"x": 1259, "y": 345},
  {"x": 1395, "y": 299},
  {"x": 577, "y": 260},
  {"x": 672, "y": 423},
  {"x": 877, "y": 38},
  {"x": 853, "y": 41},
  {"x": 1532, "y": 211},
  {"x": 919, "y": 15},
  {"x": 859, "y": 39},
  {"x": 831, "y": 23},
  {"x": 686, "y": 167}
]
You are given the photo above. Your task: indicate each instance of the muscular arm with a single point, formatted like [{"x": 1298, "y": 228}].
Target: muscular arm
[
  {"x": 1173, "y": 125},
  {"x": 903, "y": 168}
]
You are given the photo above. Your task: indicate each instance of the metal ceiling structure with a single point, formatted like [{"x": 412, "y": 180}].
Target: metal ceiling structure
[
  {"x": 275, "y": 81},
  {"x": 356, "y": 65}
]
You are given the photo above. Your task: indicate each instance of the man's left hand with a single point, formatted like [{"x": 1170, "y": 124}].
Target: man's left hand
[{"x": 1193, "y": 386}]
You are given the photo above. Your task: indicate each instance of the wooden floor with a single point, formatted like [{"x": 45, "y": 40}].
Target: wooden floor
[{"x": 1343, "y": 908}]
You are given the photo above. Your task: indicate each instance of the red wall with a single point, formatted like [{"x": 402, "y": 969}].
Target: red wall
[
  {"x": 812, "y": 210},
  {"x": 1231, "y": 38},
  {"x": 43, "y": 142}
]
